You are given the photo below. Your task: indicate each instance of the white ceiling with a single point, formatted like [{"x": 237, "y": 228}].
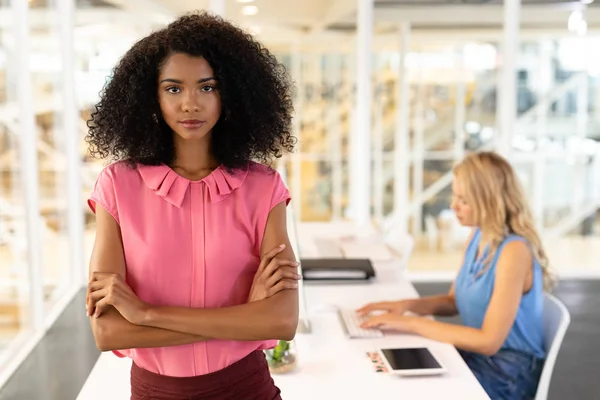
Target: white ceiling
[
  {"x": 295, "y": 14},
  {"x": 326, "y": 23},
  {"x": 301, "y": 16},
  {"x": 483, "y": 15}
]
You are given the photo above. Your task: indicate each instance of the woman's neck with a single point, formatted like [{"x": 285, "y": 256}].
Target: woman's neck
[
  {"x": 485, "y": 238},
  {"x": 193, "y": 159}
]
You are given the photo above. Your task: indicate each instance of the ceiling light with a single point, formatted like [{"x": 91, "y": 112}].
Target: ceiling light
[
  {"x": 250, "y": 10},
  {"x": 583, "y": 1},
  {"x": 250, "y": 1}
]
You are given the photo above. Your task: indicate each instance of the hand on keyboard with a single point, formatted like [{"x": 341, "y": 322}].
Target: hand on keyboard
[{"x": 351, "y": 322}]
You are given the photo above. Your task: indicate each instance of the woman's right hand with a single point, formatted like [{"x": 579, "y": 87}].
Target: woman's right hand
[
  {"x": 395, "y": 307},
  {"x": 273, "y": 275}
]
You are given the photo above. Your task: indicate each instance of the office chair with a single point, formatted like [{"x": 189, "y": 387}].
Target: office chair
[{"x": 556, "y": 322}]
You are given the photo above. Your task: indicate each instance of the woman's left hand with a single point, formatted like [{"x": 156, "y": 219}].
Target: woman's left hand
[
  {"x": 106, "y": 290},
  {"x": 390, "y": 321}
]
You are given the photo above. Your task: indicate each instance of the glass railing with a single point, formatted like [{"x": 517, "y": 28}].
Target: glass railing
[{"x": 16, "y": 309}]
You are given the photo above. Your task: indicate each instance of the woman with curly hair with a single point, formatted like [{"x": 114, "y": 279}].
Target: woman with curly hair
[
  {"x": 192, "y": 273},
  {"x": 499, "y": 291}
]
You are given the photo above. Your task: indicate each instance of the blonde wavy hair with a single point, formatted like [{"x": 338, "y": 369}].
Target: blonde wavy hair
[{"x": 499, "y": 206}]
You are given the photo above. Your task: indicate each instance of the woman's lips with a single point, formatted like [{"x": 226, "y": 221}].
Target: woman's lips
[{"x": 192, "y": 123}]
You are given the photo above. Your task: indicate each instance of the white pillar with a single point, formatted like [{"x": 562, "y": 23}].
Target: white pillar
[
  {"x": 401, "y": 138},
  {"x": 334, "y": 131},
  {"x": 579, "y": 190},
  {"x": 29, "y": 164},
  {"x": 66, "y": 11},
  {"x": 360, "y": 140},
  {"x": 418, "y": 160},
  {"x": 545, "y": 80},
  {"x": 217, "y": 7},
  {"x": 378, "y": 171},
  {"x": 539, "y": 169},
  {"x": 582, "y": 107},
  {"x": 460, "y": 108},
  {"x": 507, "y": 87},
  {"x": 298, "y": 78}
]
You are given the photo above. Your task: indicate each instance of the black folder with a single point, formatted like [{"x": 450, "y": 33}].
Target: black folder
[{"x": 337, "y": 269}]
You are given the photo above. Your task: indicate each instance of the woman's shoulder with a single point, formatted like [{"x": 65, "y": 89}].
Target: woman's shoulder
[
  {"x": 119, "y": 173},
  {"x": 255, "y": 168},
  {"x": 263, "y": 181},
  {"x": 118, "y": 168},
  {"x": 262, "y": 174},
  {"x": 514, "y": 240},
  {"x": 115, "y": 186}
]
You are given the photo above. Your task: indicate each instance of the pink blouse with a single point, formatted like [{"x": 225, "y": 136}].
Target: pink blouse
[{"x": 190, "y": 244}]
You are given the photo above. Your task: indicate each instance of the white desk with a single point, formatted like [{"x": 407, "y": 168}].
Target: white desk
[
  {"x": 334, "y": 367},
  {"x": 330, "y": 366}
]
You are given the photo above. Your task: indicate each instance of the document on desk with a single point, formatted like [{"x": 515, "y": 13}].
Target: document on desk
[
  {"x": 327, "y": 269},
  {"x": 331, "y": 274}
]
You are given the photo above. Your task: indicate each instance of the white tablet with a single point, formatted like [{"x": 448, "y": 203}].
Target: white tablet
[{"x": 411, "y": 361}]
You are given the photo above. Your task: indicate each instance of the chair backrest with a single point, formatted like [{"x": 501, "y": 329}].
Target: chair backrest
[{"x": 556, "y": 322}]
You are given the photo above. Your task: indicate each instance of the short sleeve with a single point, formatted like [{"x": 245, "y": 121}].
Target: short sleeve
[
  {"x": 104, "y": 194},
  {"x": 280, "y": 192}
]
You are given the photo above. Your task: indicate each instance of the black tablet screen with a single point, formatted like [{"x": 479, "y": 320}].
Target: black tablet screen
[{"x": 412, "y": 358}]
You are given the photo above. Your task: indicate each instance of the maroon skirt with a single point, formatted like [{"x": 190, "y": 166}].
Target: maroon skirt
[{"x": 247, "y": 379}]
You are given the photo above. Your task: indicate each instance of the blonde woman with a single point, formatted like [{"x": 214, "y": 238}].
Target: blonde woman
[{"x": 499, "y": 290}]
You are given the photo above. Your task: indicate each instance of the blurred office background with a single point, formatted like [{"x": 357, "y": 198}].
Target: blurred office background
[{"x": 390, "y": 93}]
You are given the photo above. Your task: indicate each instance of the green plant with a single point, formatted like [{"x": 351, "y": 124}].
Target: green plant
[
  {"x": 279, "y": 351},
  {"x": 282, "y": 357}
]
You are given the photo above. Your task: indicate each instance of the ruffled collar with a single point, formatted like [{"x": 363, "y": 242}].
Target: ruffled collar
[{"x": 172, "y": 187}]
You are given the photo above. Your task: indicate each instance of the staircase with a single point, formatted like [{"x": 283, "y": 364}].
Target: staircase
[
  {"x": 323, "y": 109},
  {"x": 525, "y": 127},
  {"x": 573, "y": 220}
]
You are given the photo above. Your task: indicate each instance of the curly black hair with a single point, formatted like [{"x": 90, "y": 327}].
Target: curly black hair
[{"x": 255, "y": 90}]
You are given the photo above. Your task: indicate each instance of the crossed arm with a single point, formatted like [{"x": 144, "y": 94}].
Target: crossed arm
[{"x": 126, "y": 322}]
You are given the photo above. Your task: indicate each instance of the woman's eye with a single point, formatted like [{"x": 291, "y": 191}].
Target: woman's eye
[
  {"x": 173, "y": 89},
  {"x": 208, "y": 88}
]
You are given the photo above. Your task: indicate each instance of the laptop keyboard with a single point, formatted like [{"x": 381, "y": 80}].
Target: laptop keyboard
[{"x": 351, "y": 322}]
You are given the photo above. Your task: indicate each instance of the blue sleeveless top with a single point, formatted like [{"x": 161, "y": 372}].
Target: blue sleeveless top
[{"x": 473, "y": 294}]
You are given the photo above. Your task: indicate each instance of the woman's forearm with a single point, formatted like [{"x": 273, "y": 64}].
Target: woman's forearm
[
  {"x": 463, "y": 337},
  {"x": 113, "y": 332},
  {"x": 272, "y": 318},
  {"x": 441, "y": 305}
]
